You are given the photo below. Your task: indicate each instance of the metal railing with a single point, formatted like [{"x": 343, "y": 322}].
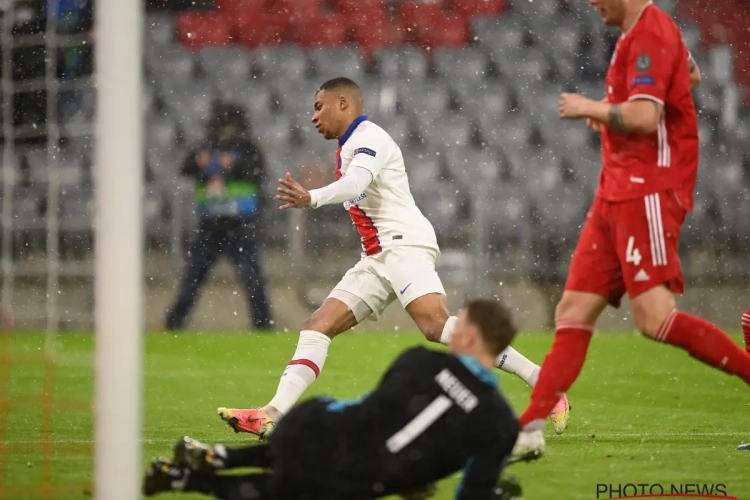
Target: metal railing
[
  {"x": 8, "y": 171},
  {"x": 12, "y": 133}
]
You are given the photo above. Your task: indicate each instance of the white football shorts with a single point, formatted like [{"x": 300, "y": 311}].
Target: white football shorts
[{"x": 404, "y": 273}]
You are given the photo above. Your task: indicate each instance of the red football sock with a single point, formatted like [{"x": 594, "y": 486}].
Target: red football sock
[
  {"x": 559, "y": 370},
  {"x": 746, "y": 329},
  {"x": 705, "y": 342}
]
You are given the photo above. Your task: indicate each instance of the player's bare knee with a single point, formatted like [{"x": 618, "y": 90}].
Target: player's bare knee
[
  {"x": 563, "y": 309},
  {"x": 646, "y": 322},
  {"x": 572, "y": 310},
  {"x": 648, "y": 318},
  {"x": 581, "y": 307},
  {"x": 651, "y": 308}
]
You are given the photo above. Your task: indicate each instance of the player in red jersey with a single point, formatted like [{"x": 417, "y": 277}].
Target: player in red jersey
[
  {"x": 629, "y": 241},
  {"x": 746, "y": 334}
]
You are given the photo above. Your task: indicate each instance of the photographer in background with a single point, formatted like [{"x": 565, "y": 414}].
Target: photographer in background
[{"x": 229, "y": 170}]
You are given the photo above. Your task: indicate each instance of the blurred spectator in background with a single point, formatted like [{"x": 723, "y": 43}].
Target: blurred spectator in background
[
  {"x": 73, "y": 16},
  {"x": 229, "y": 170}
]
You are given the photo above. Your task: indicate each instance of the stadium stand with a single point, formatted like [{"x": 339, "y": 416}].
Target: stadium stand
[{"x": 466, "y": 86}]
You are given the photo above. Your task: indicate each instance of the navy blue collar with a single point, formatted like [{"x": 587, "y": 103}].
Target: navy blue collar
[
  {"x": 351, "y": 128},
  {"x": 475, "y": 367}
]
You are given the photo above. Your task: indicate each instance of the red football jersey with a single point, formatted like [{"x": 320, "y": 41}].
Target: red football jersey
[{"x": 651, "y": 62}]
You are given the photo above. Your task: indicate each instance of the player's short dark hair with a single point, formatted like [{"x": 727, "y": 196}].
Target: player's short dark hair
[
  {"x": 494, "y": 321},
  {"x": 340, "y": 82}
]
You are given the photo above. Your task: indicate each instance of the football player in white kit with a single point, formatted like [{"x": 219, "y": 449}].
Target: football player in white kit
[{"x": 399, "y": 250}]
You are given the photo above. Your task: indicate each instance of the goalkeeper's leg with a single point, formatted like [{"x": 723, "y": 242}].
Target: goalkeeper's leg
[
  {"x": 163, "y": 476},
  {"x": 201, "y": 457}
]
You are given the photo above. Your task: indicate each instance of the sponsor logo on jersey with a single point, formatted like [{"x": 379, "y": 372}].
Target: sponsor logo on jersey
[
  {"x": 349, "y": 204},
  {"x": 364, "y": 151},
  {"x": 643, "y": 80}
]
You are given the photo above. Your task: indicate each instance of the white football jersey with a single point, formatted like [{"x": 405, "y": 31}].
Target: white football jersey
[{"x": 385, "y": 214}]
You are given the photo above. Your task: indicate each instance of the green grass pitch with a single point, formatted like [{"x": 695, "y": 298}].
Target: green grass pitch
[{"x": 642, "y": 413}]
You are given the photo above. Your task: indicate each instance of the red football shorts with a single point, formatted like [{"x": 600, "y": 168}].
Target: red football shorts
[{"x": 629, "y": 246}]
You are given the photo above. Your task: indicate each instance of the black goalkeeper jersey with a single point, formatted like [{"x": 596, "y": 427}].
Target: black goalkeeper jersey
[{"x": 432, "y": 415}]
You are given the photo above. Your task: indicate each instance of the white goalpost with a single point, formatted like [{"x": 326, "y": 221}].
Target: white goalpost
[{"x": 118, "y": 249}]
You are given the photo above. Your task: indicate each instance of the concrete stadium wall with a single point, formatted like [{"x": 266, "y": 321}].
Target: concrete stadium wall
[{"x": 222, "y": 305}]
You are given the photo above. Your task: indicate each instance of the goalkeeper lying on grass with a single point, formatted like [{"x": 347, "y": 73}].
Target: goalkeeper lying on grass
[{"x": 431, "y": 415}]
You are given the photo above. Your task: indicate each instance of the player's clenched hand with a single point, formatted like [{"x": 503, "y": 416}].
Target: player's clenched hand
[
  {"x": 292, "y": 193},
  {"x": 572, "y": 106},
  {"x": 595, "y": 125}
]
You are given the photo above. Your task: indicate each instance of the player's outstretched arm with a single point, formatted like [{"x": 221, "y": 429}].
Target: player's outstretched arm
[
  {"x": 347, "y": 188},
  {"x": 369, "y": 153},
  {"x": 351, "y": 185},
  {"x": 482, "y": 473},
  {"x": 639, "y": 116},
  {"x": 292, "y": 193}
]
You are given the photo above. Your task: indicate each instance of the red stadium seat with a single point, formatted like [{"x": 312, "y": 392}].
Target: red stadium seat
[
  {"x": 717, "y": 20},
  {"x": 455, "y": 32},
  {"x": 717, "y": 26},
  {"x": 267, "y": 29},
  {"x": 296, "y": 8},
  {"x": 478, "y": 7},
  {"x": 397, "y": 32},
  {"x": 417, "y": 15},
  {"x": 375, "y": 32},
  {"x": 233, "y": 8},
  {"x": 445, "y": 31},
  {"x": 355, "y": 7},
  {"x": 323, "y": 30},
  {"x": 723, "y": 23},
  {"x": 361, "y": 22},
  {"x": 196, "y": 30}
]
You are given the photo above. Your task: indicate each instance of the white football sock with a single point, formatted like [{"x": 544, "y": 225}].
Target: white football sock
[
  {"x": 509, "y": 360},
  {"x": 514, "y": 362},
  {"x": 301, "y": 372},
  {"x": 450, "y": 324}
]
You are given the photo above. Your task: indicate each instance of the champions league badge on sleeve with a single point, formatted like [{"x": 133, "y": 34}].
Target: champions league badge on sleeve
[{"x": 643, "y": 63}]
